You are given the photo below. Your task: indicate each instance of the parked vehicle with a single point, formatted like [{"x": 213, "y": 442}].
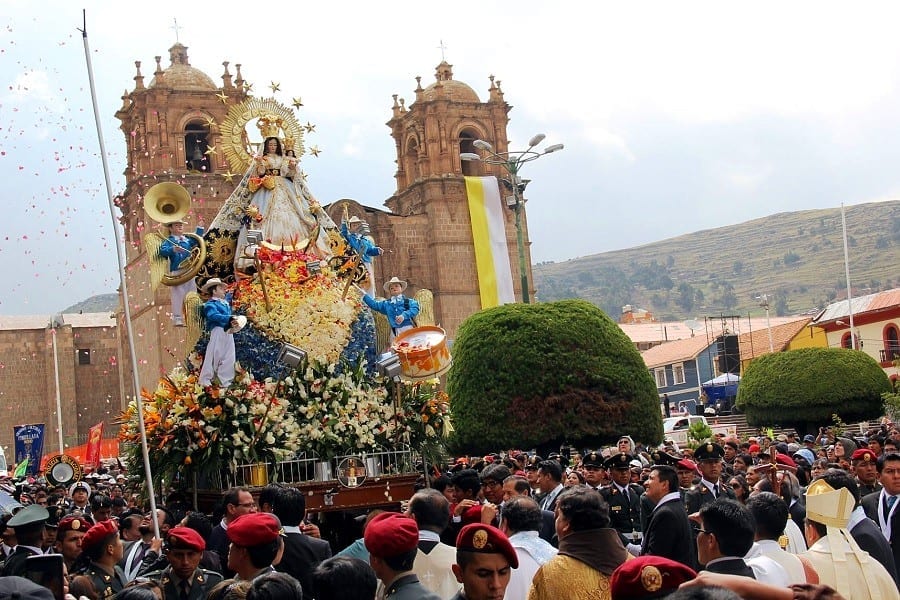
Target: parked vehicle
[{"x": 676, "y": 428}]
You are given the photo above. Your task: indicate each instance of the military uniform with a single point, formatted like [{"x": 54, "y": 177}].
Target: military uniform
[
  {"x": 29, "y": 522},
  {"x": 106, "y": 585},
  {"x": 200, "y": 583},
  {"x": 700, "y": 495},
  {"x": 624, "y": 501}
]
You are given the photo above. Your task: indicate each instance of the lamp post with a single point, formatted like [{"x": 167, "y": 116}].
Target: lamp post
[
  {"x": 512, "y": 162},
  {"x": 764, "y": 303}
]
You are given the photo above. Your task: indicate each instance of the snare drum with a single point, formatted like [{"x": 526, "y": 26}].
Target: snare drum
[{"x": 423, "y": 352}]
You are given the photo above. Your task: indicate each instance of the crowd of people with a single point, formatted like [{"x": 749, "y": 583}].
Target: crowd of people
[{"x": 763, "y": 518}]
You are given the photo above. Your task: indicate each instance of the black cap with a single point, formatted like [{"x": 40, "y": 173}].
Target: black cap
[
  {"x": 661, "y": 457},
  {"x": 533, "y": 463},
  {"x": 709, "y": 451},
  {"x": 593, "y": 459},
  {"x": 622, "y": 460}
]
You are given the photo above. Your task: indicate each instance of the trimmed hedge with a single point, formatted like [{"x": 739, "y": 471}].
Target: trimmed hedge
[
  {"x": 539, "y": 375},
  {"x": 804, "y": 388}
]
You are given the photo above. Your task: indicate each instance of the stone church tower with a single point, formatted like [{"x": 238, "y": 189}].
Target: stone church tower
[
  {"x": 428, "y": 227},
  {"x": 170, "y": 133}
]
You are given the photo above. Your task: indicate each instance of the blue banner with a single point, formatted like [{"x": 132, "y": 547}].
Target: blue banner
[{"x": 30, "y": 445}]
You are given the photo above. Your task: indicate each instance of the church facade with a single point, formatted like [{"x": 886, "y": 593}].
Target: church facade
[{"x": 171, "y": 130}]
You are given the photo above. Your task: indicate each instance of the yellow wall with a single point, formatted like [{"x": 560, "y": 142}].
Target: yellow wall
[{"x": 810, "y": 337}]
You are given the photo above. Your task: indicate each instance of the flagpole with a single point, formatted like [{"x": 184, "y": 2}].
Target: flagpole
[
  {"x": 148, "y": 476},
  {"x": 853, "y": 343},
  {"x": 56, "y": 376}
]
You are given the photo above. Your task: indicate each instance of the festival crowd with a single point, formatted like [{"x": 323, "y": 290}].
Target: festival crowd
[{"x": 787, "y": 517}]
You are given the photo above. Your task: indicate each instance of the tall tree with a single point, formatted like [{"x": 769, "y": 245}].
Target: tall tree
[
  {"x": 804, "y": 388},
  {"x": 527, "y": 375}
]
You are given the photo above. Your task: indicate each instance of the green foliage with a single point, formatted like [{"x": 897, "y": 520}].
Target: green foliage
[
  {"x": 528, "y": 375},
  {"x": 810, "y": 387},
  {"x": 698, "y": 432}
]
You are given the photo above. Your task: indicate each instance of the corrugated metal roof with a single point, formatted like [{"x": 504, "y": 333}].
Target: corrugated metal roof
[
  {"x": 76, "y": 320},
  {"x": 861, "y": 305}
]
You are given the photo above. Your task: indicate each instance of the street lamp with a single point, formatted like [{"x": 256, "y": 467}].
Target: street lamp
[
  {"x": 512, "y": 163},
  {"x": 764, "y": 303}
]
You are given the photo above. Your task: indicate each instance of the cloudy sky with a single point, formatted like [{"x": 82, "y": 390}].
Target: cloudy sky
[{"x": 676, "y": 116}]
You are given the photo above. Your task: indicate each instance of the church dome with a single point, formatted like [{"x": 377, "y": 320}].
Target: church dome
[
  {"x": 182, "y": 76},
  {"x": 448, "y": 87}
]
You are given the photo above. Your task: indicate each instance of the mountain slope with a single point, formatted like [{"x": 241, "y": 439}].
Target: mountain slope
[{"x": 796, "y": 258}]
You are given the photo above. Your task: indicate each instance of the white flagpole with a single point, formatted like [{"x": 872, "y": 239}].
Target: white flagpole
[
  {"x": 853, "y": 341},
  {"x": 148, "y": 476}
]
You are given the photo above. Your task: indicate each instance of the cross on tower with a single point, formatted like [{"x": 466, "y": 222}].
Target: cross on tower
[
  {"x": 442, "y": 47},
  {"x": 176, "y": 28}
]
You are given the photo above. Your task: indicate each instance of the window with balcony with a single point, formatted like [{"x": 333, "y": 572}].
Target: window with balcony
[{"x": 891, "y": 339}]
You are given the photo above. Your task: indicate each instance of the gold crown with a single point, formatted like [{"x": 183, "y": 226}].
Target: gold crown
[
  {"x": 269, "y": 125},
  {"x": 289, "y": 143}
]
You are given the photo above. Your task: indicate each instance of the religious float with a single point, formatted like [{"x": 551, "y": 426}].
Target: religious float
[{"x": 311, "y": 400}]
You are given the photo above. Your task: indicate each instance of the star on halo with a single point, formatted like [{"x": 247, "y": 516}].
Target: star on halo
[
  {"x": 210, "y": 122},
  {"x": 211, "y": 150},
  {"x": 297, "y": 103},
  {"x": 221, "y": 96},
  {"x": 228, "y": 176},
  {"x": 310, "y": 127},
  {"x": 247, "y": 87},
  {"x": 275, "y": 86},
  {"x": 315, "y": 151}
]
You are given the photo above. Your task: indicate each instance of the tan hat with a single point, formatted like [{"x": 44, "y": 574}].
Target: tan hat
[
  {"x": 354, "y": 219},
  {"x": 211, "y": 283},
  {"x": 241, "y": 321},
  {"x": 392, "y": 280},
  {"x": 179, "y": 221}
]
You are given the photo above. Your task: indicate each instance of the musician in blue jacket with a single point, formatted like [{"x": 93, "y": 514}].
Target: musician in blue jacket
[
  {"x": 363, "y": 245},
  {"x": 400, "y": 310},
  {"x": 178, "y": 247},
  {"x": 218, "y": 362}
]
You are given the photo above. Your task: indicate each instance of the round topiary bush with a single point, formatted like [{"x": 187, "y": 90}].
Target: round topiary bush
[
  {"x": 539, "y": 375},
  {"x": 804, "y": 388}
]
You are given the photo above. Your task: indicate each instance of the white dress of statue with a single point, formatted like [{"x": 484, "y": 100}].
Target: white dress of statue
[{"x": 281, "y": 208}]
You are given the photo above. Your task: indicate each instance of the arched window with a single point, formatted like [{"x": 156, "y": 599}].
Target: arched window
[
  {"x": 411, "y": 160},
  {"x": 196, "y": 143},
  {"x": 469, "y": 167},
  {"x": 891, "y": 337},
  {"x": 845, "y": 341}
]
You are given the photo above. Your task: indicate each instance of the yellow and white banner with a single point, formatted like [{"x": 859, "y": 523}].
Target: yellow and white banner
[{"x": 489, "y": 234}]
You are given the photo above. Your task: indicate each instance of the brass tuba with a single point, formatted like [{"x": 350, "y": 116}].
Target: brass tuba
[{"x": 167, "y": 202}]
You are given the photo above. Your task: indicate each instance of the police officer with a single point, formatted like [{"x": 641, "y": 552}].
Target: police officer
[
  {"x": 28, "y": 524},
  {"x": 101, "y": 550},
  {"x": 709, "y": 462},
  {"x": 623, "y": 497},
  {"x": 594, "y": 475},
  {"x": 183, "y": 578}
]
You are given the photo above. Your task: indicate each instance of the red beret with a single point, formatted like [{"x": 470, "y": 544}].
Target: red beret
[
  {"x": 72, "y": 524},
  {"x": 96, "y": 534},
  {"x": 686, "y": 463},
  {"x": 391, "y": 534},
  {"x": 253, "y": 529},
  {"x": 865, "y": 455},
  {"x": 486, "y": 539},
  {"x": 785, "y": 460},
  {"x": 185, "y": 538},
  {"x": 648, "y": 577},
  {"x": 753, "y": 449}
]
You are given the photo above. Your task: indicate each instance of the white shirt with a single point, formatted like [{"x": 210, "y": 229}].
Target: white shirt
[{"x": 790, "y": 564}]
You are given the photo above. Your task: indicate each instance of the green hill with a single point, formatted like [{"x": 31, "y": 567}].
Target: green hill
[{"x": 796, "y": 258}]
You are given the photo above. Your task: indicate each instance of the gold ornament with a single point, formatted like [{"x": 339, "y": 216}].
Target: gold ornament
[
  {"x": 651, "y": 578},
  {"x": 315, "y": 151},
  {"x": 479, "y": 539},
  {"x": 235, "y": 142},
  {"x": 221, "y": 96},
  {"x": 297, "y": 103}
]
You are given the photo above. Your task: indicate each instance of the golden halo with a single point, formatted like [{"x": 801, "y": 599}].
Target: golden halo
[{"x": 235, "y": 141}]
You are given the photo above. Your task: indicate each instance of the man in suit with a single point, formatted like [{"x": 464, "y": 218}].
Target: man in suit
[
  {"x": 623, "y": 497},
  {"x": 668, "y": 531},
  {"x": 236, "y": 501},
  {"x": 550, "y": 482},
  {"x": 28, "y": 524},
  {"x": 392, "y": 540},
  {"x": 302, "y": 553},
  {"x": 183, "y": 579},
  {"x": 882, "y": 507},
  {"x": 725, "y": 536},
  {"x": 515, "y": 486}
]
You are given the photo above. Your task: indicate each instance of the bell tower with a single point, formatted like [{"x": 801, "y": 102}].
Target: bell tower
[
  {"x": 171, "y": 135},
  {"x": 444, "y": 120}
]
